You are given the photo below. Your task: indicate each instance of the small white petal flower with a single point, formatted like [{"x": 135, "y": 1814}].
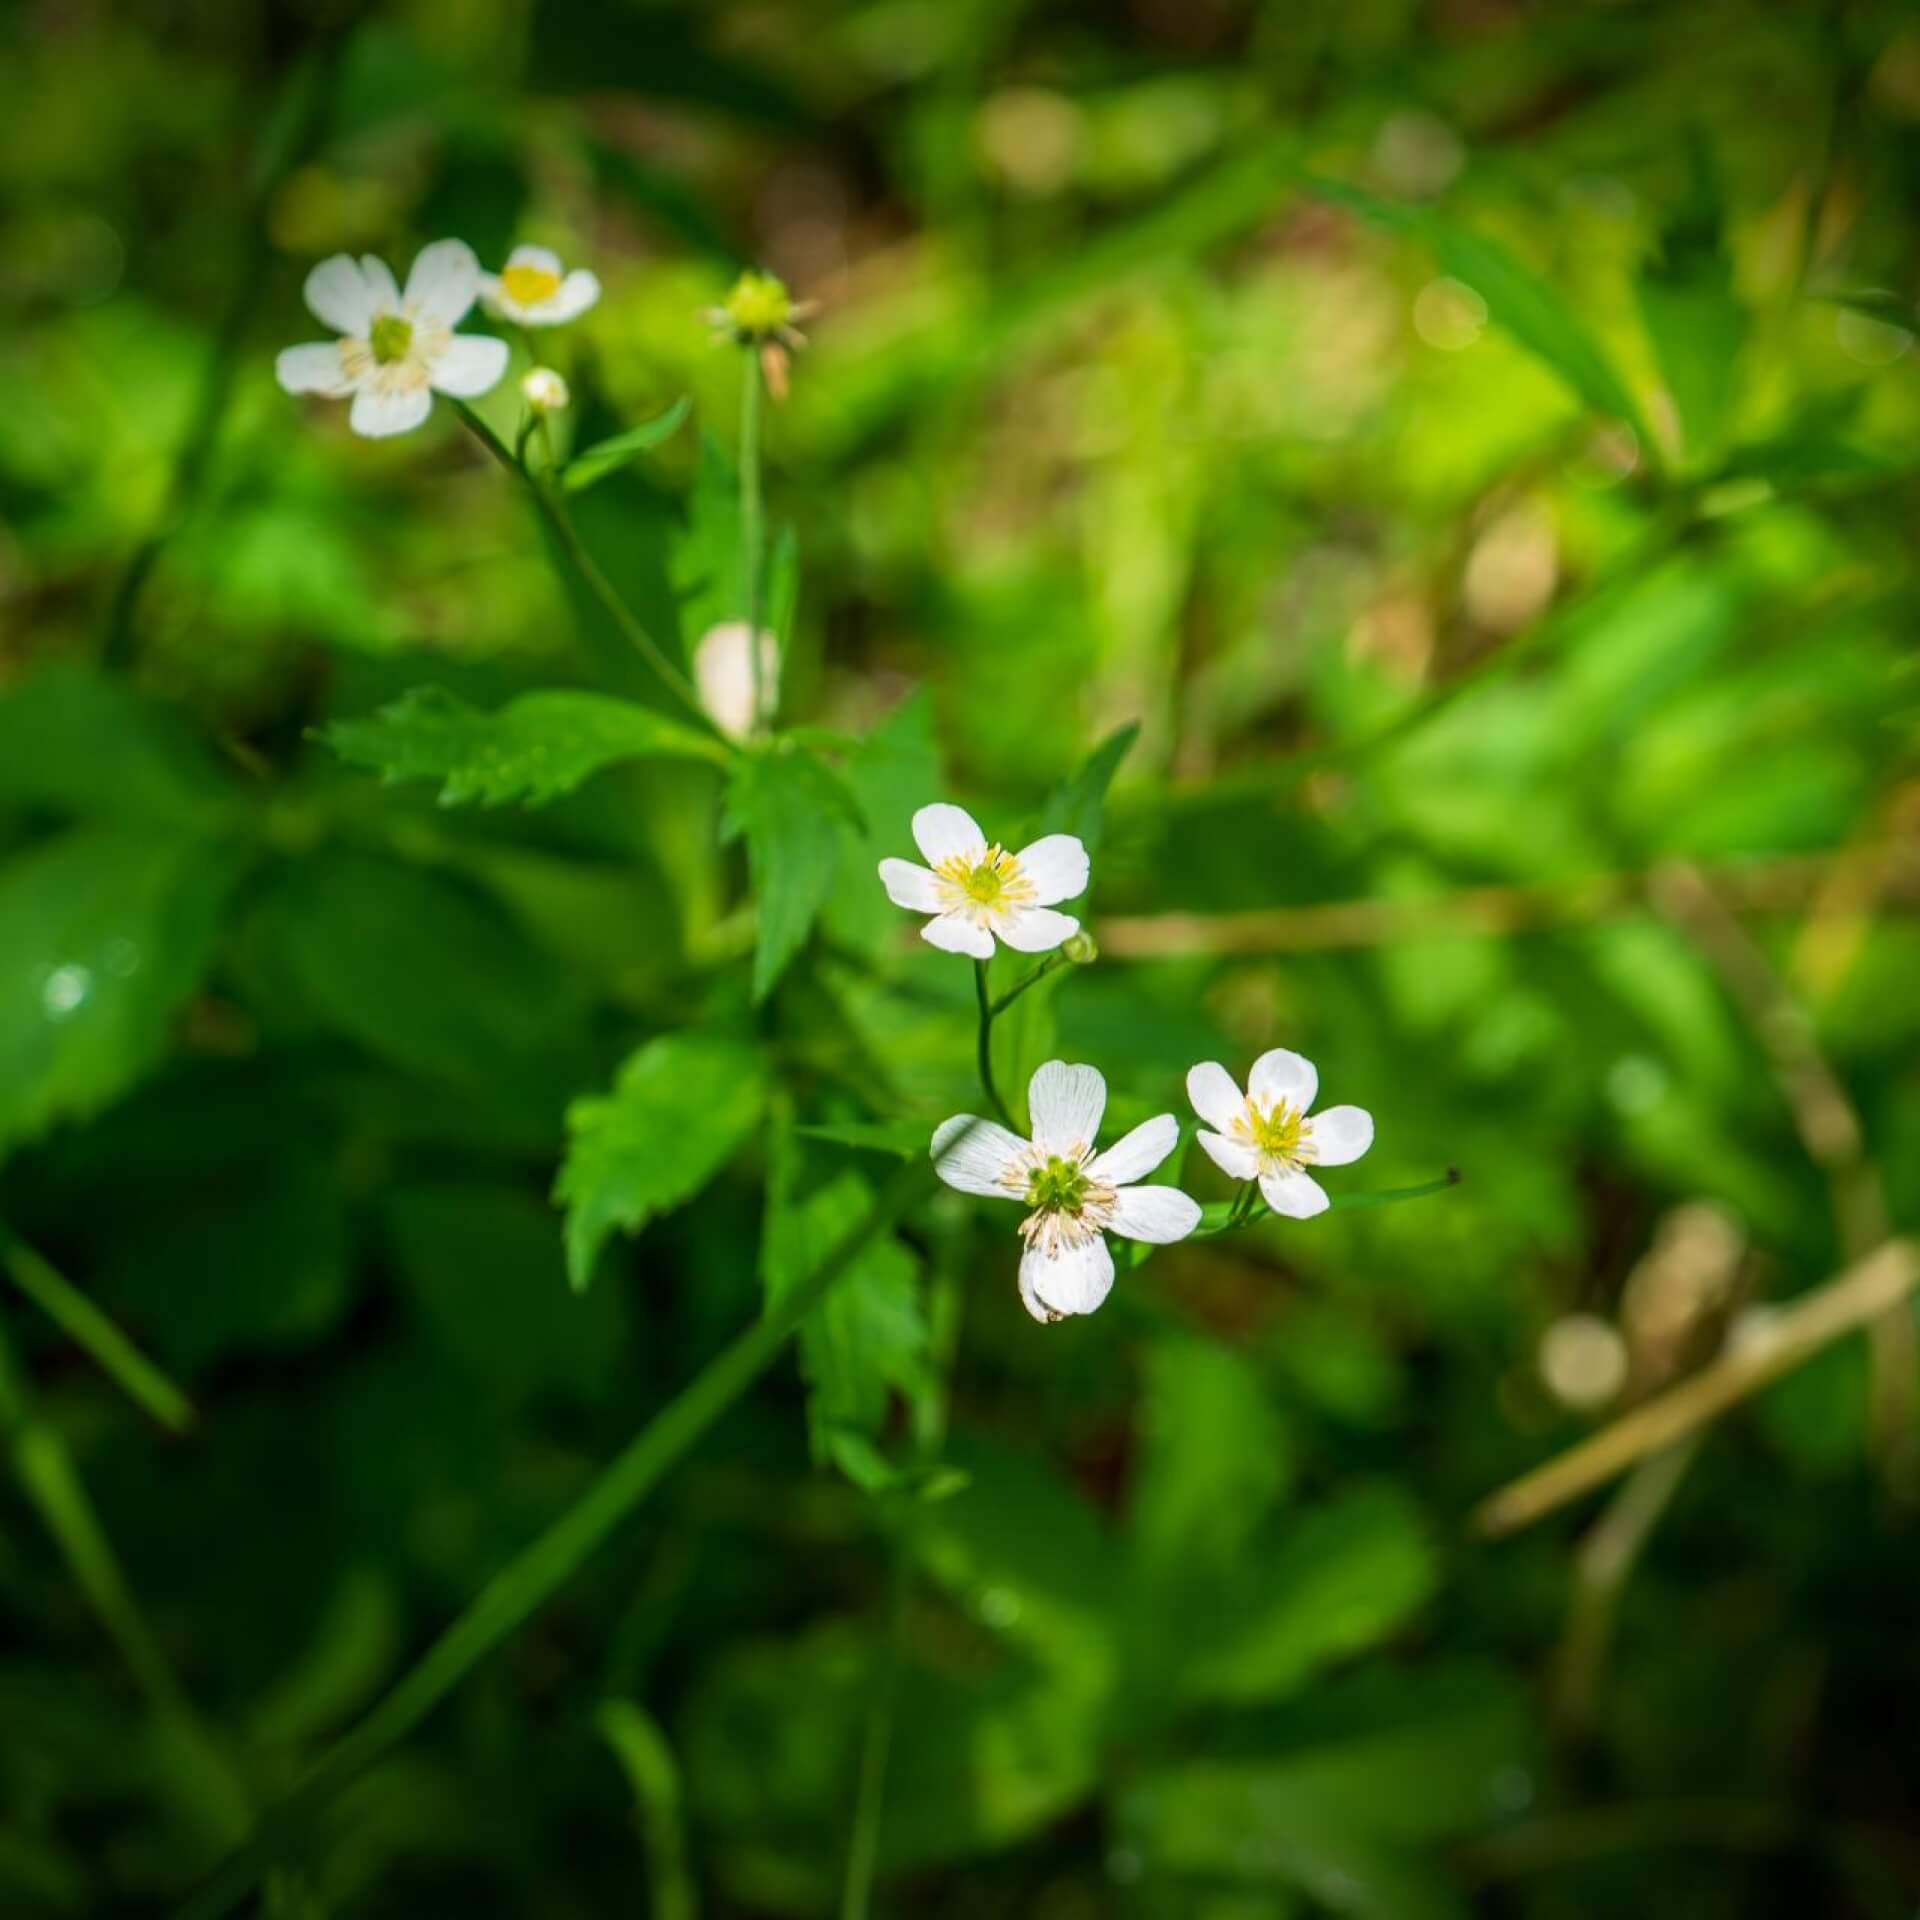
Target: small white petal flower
[
  {"x": 1265, "y": 1134},
  {"x": 534, "y": 290},
  {"x": 1075, "y": 1195},
  {"x": 544, "y": 390},
  {"x": 977, "y": 893},
  {"x": 723, "y": 675},
  {"x": 397, "y": 348}
]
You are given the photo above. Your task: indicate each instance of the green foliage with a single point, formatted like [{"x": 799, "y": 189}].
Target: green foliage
[
  {"x": 607, "y": 456},
  {"x": 682, "y": 1106},
  {"x": 534, "y": 749}
]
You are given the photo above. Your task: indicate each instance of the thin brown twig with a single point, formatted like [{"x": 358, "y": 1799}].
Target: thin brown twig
[{"x": 1870, "y": 1288}]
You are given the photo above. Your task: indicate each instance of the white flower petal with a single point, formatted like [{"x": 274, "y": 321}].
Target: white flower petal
[
  {"x": 1236, "y": 1161},
  {"x": 542, "y": 257},
  {"x": 470, "y": 364},
  {"x": 972, "y": 1154},
  {"x": 1057, "y": 867},
  {"x": 1135, "y": 1155},
  {"x": 379, "y": 276},
  {"x": 578, "y": 291},
  {"x": 1339, "y": 1135},
  {"x": 1075, "y": 1280},
  {"x": 1293, "y": 1194},
  {"x": 1035, "y": 929},
  {"x": 313, "y": 369},
  {"x": 1215, "y": 1095},
  {"x": 377, "y": 414},
  {"x": 1155, "y": 1214},
  {"x": 1064, "y": 1105},
  {"x": 1281, "y": 1075},
  {"x": 941, "y": 831},
  {"x": 443, "y": 281},
  {"x": 910, "y": 886},
  {"x": 341, "y": 292},
  {"x": 955, "y": 933}
]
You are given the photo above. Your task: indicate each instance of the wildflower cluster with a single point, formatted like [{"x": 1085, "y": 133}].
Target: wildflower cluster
[{"x": 977, "y": 893}]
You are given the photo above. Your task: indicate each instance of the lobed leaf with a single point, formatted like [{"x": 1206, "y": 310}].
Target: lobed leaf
[{"x": 533, "y": 749}]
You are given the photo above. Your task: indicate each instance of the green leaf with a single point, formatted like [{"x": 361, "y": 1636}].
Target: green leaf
[
  {"x": 902, "y": 1139},
  {"x": 682, "y": 1106},
  {"x": 706, "y": 553},
  {"x": 869, "y": 1336},
  {"x": 1078, "y": 806},
  {"x": 608, "y": 456},
  {"x": 1339, "y": 1580},
  {"x": 1537, "y": 314},
  {"x": 1696, "y": 324},
  {"x": 792, "y": 811},
  {"x": 74, "y": 744},
  {"x": 533, "y": 749},
  {"x": 107, "y": 931}
]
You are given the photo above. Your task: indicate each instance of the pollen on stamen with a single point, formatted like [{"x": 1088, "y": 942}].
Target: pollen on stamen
[{"x": 528, "y": 285}]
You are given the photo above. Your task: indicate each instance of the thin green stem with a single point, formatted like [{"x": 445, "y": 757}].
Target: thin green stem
[
  {"x": 752, "y": 535},
  {"x": 647, "y": 1760},
  {"x": 528, "y": 1582},
  {"x": 1051, "y": 964},
  {"x": 984, "y": 1047},
  {"x": 559, "y": 523},
  {"x": 142, "y": 1382}
]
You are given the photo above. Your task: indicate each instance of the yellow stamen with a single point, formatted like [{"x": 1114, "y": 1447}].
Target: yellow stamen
[
  {"x": 528, "y": 286},
  {"x": 986, "y": 885},
  {"x": 1277, "y": 1134}
]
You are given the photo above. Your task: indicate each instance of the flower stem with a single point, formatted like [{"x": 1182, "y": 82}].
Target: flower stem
[
  {"x": 547, "y": 501},
  {"x": 984, "y": 1049},
  {"x": 752, "y": 540},
  {"x": 1051, "y": 964},
  {"x": 527, "y": 1583}
]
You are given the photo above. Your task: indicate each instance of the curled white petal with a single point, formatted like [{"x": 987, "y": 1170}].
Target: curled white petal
[
  {"x": 444, "y": 281},
  {"x": 1035, "y": 929},
  {"x": 342, "y": 292},
  {"x": 1236, "y": 1160},
  {"x": 314, "y": 369},
  {"x": 544, "y": 258},
  {"x": 1055, "y": 867},
  {"x": 1294, "y": 1194},
  {"x": 1074, "y": 1280},
  {"x": 1215, "y": 1095},
  {"x": 1064, "y": 1105},
  {"x": 942, "y": 832},
  {"x": 1340, "y": 1135},
  {"x": 1281, "y": 1075},
  {"x": 975, "y": 1155},
  {"x": 910, "y": 886},
  {"x": 955, "y": 933},
  {"x": 470, "y": 364},
  {"x": 578, "y": 291},
  {"x": 1156, "y": 1214},
  {"x": 379, "y": 412},
  {"x": 1135, "y": 1155}
]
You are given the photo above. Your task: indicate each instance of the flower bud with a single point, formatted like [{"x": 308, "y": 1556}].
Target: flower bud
[
  {"x": 1081, "y": 948},
  {"x": 759, "y": 307},
  {"x": 544, "y": 390}
]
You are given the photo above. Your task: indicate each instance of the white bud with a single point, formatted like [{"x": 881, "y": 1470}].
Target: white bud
[
  {"x": 1583, "y": 1360},
  {"x": 723, "y": 672},
  {"x": 544, "y": 390}
]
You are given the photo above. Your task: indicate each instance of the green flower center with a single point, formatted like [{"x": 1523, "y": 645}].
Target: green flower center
[
  {"x": 759, "y": 305},
  {"x": 1060, "y": 1186},
  {"x": 984, "y": 884},
  {"x": 1278, "y": 1132},
  {"x": 390, "y": 337}
]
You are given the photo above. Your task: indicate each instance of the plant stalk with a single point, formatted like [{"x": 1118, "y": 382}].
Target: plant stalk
[
  {"x": 984, "y": 1047},
  {"x": 752, "y": 537}
]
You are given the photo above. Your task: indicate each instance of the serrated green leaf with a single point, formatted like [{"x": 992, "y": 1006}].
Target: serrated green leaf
[
  {"x": 608, "y": 456},
  {"x": 706, "y": 553},
  {"x": 108, "y": 930},
  {"x": 533, "y": 749},
  {"x": 682, "y": 1106},
  {"x": 1078, "y": 806},
  {"x": 1535, "y": 313},
  {"x": 792, "y": 811}
]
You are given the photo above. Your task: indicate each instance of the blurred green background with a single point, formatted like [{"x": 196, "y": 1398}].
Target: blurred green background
[{"x": 1474, "y": 442}]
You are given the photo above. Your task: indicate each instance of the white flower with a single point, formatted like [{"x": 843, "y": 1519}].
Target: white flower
[
  {"x": 1265, "y": 1134},
  {"x": 1076, "y": 1196},
  {"x": 544, "y": 390},
  {"x": 532, "y": 289},
  {"x": 399, "y": 348},
  {"x": 976, "y": 891},
  {"x": 723, "y": 674}
]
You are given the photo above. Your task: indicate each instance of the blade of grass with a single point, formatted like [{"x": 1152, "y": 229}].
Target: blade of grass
[{"x": 117, "y": 1357}]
